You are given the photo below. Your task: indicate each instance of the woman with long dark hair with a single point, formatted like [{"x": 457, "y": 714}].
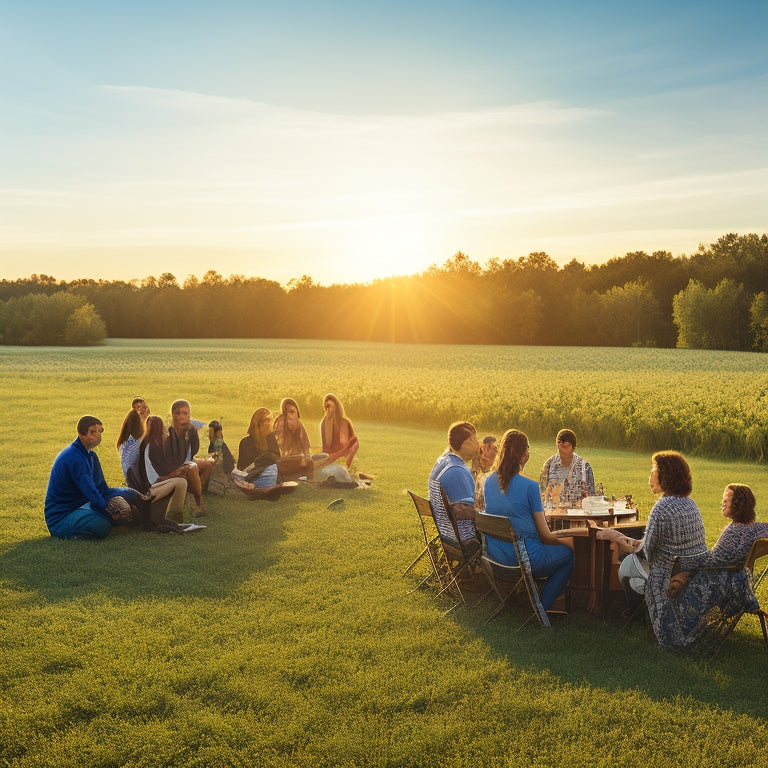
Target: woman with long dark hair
[
  {"x": 257, "y": 457},
  {"x": 295, "y": 453},
  {"x": 128, "y": 441},
  {"x": 511, "y": 494},
  {"x": 156, "y": 479},
  {"x": 259, "y": 452}
]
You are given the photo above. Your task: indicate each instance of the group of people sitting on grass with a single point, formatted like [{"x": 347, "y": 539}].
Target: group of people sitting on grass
[
  {"x": 684, "y": 585},
  {"x": 161, "y": 468}
]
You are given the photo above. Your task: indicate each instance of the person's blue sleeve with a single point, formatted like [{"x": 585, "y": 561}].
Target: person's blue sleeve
[
  {"x": 534, "y": 497},
  {"x": 459, "y": 486},
  {"x": 90, "y": 482}
]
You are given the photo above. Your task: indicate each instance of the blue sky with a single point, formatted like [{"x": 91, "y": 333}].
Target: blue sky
[{"x": 350, "y": 141}]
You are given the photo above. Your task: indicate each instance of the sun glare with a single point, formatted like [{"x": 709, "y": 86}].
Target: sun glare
[{"x": 392, "y": 245}]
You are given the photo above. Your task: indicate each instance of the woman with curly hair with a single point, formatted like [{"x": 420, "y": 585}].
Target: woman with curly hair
[
  {"x": 738, "y": 506},
  {"x": 674, "y": 529},
  {"x": 699, "y": 587}
]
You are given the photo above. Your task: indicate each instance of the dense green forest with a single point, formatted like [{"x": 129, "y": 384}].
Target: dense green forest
[{"x": 714, "y": 299}]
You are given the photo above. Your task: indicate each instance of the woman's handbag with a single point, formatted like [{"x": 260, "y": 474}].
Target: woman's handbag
[{"x": 634, "y": 568}]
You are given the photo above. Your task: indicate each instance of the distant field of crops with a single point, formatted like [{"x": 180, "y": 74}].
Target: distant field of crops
[{"x": 704, "y": 403}]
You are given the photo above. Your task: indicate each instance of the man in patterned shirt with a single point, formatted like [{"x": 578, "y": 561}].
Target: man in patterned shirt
[{"x": 566, "y": 475}]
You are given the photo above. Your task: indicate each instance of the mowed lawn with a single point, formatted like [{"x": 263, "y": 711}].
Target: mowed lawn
[{"x": 284, "y": 634}]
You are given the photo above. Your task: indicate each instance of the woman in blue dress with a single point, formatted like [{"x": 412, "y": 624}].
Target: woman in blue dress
[{"x": 509, "y": 493}]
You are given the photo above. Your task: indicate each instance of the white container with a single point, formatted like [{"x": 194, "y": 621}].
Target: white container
[{"x": 595, "y": 504}]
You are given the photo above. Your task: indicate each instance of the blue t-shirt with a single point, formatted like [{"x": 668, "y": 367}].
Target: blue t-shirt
[
  {"x": 519, "y": 504},
  {"x": 450, "y": 474}
]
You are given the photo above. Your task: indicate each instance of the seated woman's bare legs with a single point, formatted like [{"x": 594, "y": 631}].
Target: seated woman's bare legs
[
  {"x": 205, "y": 469},
  {"x": 195, "y": 487},
  {"x": 260, "y": 493},
  {"x": 353, "y": 446},
  {"x": 349, "y": 450}
]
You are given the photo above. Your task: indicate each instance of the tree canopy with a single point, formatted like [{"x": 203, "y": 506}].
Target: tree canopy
[{"x": 714, "y": 299}]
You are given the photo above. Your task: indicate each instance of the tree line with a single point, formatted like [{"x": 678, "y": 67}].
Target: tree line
[{"x": 714, "y": 299}]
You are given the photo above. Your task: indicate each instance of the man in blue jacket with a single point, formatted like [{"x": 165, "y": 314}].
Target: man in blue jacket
[{"x": 78, "y": 504}]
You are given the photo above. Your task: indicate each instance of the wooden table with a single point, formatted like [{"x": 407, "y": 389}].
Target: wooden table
[
  {"x": 561, "y": 520},
  {"x": 595, "y": 584}
]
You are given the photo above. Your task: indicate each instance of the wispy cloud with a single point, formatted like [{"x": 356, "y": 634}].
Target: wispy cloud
[
  {"x": 690, "y": 187},
  {"x": 223, "y": 109}
]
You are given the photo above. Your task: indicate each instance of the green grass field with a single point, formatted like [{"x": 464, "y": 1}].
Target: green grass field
[{"x": 284, "y": 634}]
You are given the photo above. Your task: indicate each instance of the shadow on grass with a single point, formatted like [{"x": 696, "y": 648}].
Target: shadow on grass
[
  {"x": 131, "y": 564},
  {"x": 583, "y": 650}
]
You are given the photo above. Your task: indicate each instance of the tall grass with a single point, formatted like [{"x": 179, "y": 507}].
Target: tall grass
[
  {"x": 284, "y": 634},
  {"x": 703, "y": 403}
]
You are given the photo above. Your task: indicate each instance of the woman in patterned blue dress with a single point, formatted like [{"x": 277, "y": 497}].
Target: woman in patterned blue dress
[
  {"x": 674, "y": 529},
  {"x": 702, "y": 595}
]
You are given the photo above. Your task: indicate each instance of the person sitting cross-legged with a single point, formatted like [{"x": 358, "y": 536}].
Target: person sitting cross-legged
[
  {"x": 180, "y": 447},
  {"x": 257, "y": 457},
  {"x": 78, "y": 502}
]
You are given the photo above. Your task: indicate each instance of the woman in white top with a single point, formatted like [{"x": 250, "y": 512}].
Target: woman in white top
[{"x": 154, "y": 474}]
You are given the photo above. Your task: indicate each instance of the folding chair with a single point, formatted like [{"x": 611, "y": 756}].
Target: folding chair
[
  {"x": 758, "y": 550},
  {"x": 505, "y": 580},
  {"x": 461, "y": 561},
  {"x": 503, "y": 531},
  {"x": 722, "y": 626},
  {"x": 432, "y": 546}
]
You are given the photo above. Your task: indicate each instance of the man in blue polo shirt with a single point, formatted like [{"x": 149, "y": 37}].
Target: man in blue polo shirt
[
  {"x": 78, "y": 504},
  {"x": 450, "y": 476}
]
